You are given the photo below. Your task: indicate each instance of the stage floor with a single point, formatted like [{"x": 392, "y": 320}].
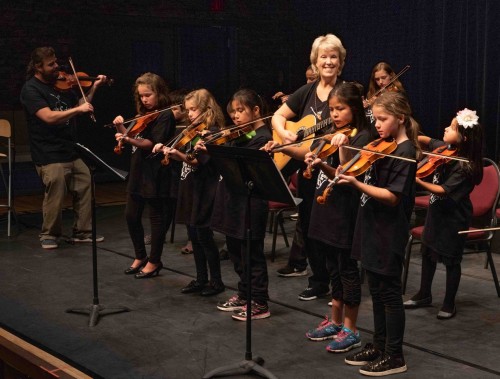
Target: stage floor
[{"x": 170, "y": 335}]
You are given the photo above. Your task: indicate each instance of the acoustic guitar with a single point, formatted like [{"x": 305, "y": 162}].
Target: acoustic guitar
[{"x": 305, "y": 127}]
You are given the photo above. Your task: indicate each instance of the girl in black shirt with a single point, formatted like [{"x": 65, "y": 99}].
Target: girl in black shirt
[
  {"x": 230, "y": 214},
  {"x": 148, "y": 181},
  {"x": 381, "y": 233},
  {"x": 332, "y": 224},
  {"x": 450, "y": 209},
  {"x": 197, "y": 187}
]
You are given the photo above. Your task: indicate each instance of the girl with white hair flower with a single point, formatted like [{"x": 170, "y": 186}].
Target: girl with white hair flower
[{"x": 450, "y": 209}]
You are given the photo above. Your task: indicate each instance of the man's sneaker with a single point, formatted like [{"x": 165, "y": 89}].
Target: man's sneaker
[
  {"x": 289, "y": 272},
  {"x": 365, "y": 356},
  {"x": 235, "y": 303},
  {"x": 345, "y": 341},
  {"x": 49, "y": 244},
  {"x": 258, "y": 311},
  {"x": 312, "y": 293},
  {"x": 384, "y": 365},
  {"x": 85, "y": 238},
  {"x": 325, "y": 330}
]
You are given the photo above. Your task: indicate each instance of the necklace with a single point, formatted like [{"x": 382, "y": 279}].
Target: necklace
[{"x": 318, "y": 111}]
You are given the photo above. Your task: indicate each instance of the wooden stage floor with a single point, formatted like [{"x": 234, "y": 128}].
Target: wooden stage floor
[{"x": 170, "y": 335}]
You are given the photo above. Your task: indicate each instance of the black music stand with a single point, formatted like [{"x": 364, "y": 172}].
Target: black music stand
[
  {"x": 249, "y": 172},
  {"x": 95, "y": 310}
]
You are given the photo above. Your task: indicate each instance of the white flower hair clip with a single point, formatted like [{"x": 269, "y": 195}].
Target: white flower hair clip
[{"x": 467, "y": 118}]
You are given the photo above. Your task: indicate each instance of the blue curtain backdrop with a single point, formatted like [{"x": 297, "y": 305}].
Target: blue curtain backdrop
[{"x": 452, "y": 46}]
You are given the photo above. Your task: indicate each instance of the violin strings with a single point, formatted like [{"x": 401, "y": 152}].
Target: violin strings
[{"x": 379, "y": 153}]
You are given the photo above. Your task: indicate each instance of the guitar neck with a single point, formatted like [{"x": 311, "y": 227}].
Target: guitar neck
[{"x": 320, "y": 125}]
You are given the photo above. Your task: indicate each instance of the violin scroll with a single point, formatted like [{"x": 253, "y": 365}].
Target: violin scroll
[{"x": 321, "y": 199}]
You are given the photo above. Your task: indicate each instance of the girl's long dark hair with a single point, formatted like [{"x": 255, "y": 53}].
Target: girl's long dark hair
[
  {"x": 251, "y": 99},
  {"x": 471, "y": 147},
  {"x": 350, "y": 93}
]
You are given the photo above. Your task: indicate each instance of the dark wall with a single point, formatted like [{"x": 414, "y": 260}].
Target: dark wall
[{"x": 452, "y": 47}]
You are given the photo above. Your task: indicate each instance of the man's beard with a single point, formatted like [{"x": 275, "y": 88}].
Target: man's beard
[{"x": 50, "y": 77}]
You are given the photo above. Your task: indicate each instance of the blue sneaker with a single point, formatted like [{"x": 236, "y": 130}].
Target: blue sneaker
[
  {"x": 325, "y": 330},
  {"x": 345, "y": 341}
]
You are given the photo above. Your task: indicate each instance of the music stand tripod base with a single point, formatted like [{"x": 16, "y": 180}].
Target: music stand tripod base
[
  {"x": 248, "y": 172},
  {"x": 242, "y": 368},
  {"x": 96, "y": 310}
]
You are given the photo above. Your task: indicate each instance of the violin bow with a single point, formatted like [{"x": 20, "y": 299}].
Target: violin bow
[
  {"x": 144, "y": 115},
  {"x": 479, "y": 230},
  {"x": 378, "y": 153},
  {"x": 234, "y": 128},
  {"x": 92, "y": 117},
  {"x": 446, "y": 157}
]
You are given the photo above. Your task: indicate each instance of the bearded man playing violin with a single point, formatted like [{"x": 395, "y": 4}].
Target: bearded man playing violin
[{"x": 52, "y": 129}]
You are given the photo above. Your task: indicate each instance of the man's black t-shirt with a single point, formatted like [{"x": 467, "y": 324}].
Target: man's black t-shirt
[{"x": 49, "y": 143}]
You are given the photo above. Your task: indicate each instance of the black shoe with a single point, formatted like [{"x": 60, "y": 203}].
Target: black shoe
[
  {"x": 385, "y": 365},
  {"x": 412, "y": 304},
  {"x": 193, "y": 286},
  {"x": 213, "y": 288},
  {"x": 443, "y": 315},
  {"x": 289, "y": 271},
  {"x": 134, "y": 270},
  {"x": 312, "y": 293},
  {"x": 365, "y": 356},
  {"x": 146, "y": 275}
]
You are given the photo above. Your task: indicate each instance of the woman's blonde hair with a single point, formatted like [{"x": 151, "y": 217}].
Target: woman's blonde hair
[{"x": 328, "y": 42}]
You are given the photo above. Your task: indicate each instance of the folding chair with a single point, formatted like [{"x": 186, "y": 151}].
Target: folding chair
[
  {"x": 6, "y": 132},
  {"x": 484, "y": 198},
  {"x": 276, "y": 211}
]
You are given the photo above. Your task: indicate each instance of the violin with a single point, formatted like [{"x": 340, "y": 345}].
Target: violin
[
  {"x": 111, "y": 125},
  {"x": 187, "y": 135},
  {"x": 91, "y": 114},
  {"x": 229, "y": 134},
  {"x": 440, "y": 156},
  {"x": 66, "y": 81},
  {"x": 135, "y": 129},
  {"x": 325, "y": 149},
  {"x": 361, "y": 162}
]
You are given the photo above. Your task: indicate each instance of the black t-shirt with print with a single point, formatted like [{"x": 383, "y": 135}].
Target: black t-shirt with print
[
  {"x": 382, "y": 231},
  {"x": 49, "y": 143},
  {"x": 450, "y": 213},
  {"x": 333, "y": 222}
]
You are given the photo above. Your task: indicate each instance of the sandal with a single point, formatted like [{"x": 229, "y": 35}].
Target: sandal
[{"x": 186, "y": 250}]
